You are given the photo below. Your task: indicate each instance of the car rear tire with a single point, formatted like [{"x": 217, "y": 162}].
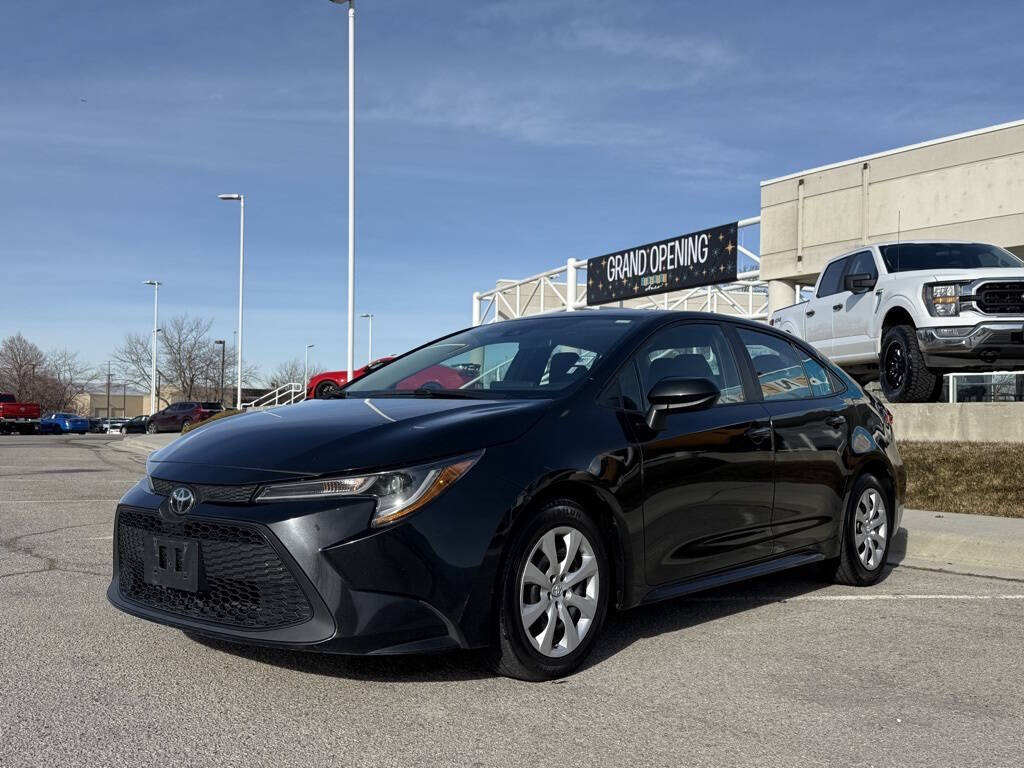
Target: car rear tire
[
  {"x": 553, "y": 594},
  {"x": 902, "y": 373},
  {"x": 325, "y": 390},
  {"x": 186, "y": 424},
  {"x": 867, "y": 535}
]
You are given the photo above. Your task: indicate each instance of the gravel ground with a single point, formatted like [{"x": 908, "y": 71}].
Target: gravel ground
[{"x": 926, "y": 669}]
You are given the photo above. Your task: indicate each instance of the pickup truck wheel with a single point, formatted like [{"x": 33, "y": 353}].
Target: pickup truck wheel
[{"x": 903, "y": 374}]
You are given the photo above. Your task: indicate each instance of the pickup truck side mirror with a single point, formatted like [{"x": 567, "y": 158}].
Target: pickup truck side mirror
[
  {"x": 673, "y": 395},
  {"x": 860, "y": 282}
]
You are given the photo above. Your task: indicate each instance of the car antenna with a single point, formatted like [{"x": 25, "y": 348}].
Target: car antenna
[{"x": 899, "y": 223}]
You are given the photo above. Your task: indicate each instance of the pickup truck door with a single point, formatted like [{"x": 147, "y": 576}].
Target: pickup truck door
[
  {"x": 852, "y": 313},
  {"x": 818, "y": 311}
]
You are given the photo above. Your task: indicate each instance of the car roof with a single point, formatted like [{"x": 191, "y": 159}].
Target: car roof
[{"x": 647, "y": 316}]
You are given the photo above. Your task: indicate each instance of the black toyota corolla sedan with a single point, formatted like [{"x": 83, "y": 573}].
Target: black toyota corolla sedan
[{"x": 587, "y": 461}]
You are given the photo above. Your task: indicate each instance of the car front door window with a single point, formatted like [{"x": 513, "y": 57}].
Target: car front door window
[{"x": 707, "y": 474}]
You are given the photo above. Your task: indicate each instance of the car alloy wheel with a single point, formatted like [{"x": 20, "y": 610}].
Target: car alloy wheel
[
  {"x": 559, "y": 588},
  {"x": 895, "y": 365},
  {"x": 151, "y": 429},
  {"x": 871, "y": 529}
]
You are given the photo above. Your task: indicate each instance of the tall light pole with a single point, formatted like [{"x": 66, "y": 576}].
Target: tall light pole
[
  {"x": 221, "y": 343},
  {"x": 241, "y": 284},
  {"x": 369, "y": 337},
  {"x": 152, "y": 369},
  {"x": 351, "y": 181},
  {"x": 305, "y": 366}
]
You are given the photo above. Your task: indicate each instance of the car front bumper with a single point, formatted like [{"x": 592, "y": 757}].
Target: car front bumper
[
  {"x": 424, "y": 584},
  {"x": 989, "y": 345}
]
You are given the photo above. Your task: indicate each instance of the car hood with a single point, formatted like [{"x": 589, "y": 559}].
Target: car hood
[
  {"x": 330, "y": 436},
  {"x": 954, "y": 275}
]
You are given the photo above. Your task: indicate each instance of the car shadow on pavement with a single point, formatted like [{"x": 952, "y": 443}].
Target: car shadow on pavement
[{"x": 621, "y": 630}]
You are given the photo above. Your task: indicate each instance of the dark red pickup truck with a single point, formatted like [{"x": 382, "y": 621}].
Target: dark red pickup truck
[{"x": 18, "y": 417}]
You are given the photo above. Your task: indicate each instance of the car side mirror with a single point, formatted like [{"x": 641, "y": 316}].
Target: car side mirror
[
  {"x": 674, "y": 395},
  {"x": 860, "y": 282}
]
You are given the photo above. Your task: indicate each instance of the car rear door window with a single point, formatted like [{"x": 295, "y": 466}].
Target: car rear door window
[
  {"x": 691, "y": 351},
  {"x": 820, "y": 382},
  {"x": 831, "y": 279},
  {"x": 779, "y": 369}
]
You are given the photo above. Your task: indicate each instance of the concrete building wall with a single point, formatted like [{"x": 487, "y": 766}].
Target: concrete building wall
[
  {"x": 94, "y": 404},
  {"x": 964, "y": 187}
]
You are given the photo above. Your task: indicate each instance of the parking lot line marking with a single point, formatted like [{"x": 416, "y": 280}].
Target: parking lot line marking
[
  {"x": 842, "y": 598},
  {"x": 57, "y": 501}
]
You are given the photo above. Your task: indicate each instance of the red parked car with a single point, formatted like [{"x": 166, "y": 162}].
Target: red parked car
[
  {"x": 176, "y": 416},
  {"x": 328, "y": 384}
]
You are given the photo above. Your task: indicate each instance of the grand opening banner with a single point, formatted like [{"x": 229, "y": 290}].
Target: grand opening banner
[{"x": 700, "y": 258}]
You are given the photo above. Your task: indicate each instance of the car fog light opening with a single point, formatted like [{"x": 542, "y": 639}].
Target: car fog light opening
[{"x": 398, "y": 493}]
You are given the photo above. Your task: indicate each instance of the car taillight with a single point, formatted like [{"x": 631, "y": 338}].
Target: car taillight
[{"x": 887, "y": 415}]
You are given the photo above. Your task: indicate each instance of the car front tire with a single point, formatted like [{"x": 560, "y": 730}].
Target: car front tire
[
  {"x": 867, "y": 535},
  {"x": 151, "y": 429},
  {"x": 903, "y": 376},
  {"x": 554, "y": 592}
]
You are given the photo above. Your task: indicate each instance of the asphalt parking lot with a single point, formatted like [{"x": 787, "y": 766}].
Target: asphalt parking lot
[{"x": 926, "y": 669}]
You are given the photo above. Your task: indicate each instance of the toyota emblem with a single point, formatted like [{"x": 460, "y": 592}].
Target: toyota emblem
[{"x": 182, "y": 500}]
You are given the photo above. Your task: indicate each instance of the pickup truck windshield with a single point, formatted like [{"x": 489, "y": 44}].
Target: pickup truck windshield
[{"x": 911, "y": 257}]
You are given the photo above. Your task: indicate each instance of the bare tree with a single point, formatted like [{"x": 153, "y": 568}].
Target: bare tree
[
  {"x": 290, "y": 371},
  {"x": 21, "y": 362},
  {"x": 65, "y": 377},
  {"x": 134, "y": 357},
  {"x": 188, "y": 355}
]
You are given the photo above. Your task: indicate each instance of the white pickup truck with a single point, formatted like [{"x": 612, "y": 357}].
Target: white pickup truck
[{"x": 906, "y": 313}]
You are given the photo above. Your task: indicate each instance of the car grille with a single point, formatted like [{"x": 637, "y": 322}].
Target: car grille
[
  {"x": 1001, "y": 298},
  {"x": 243, "y": 581},
  {"x": 213, "y": 494}
]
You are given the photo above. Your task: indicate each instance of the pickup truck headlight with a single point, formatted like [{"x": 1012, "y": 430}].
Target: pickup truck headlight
[
  {"x": 942, "y": 299},
  {"x": 398, "y": 492}
]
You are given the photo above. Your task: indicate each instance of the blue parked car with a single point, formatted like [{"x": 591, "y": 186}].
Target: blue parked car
[{"x": 59, "y": 423}]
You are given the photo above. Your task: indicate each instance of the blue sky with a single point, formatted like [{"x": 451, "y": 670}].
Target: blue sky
[{"x": 494, "y": 139}]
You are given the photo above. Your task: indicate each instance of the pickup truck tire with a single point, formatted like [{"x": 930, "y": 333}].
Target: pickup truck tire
[{"x": 902, "y": 373}]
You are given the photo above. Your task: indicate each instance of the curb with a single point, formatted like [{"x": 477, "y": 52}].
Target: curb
[{"x": 975, "y": 545}]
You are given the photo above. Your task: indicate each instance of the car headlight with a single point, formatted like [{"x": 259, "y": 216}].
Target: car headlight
[
  {"x": 398, "y": 492},
  {"x": 943, "y": 299}
]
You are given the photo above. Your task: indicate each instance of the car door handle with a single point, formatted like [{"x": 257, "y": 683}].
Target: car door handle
[
  {"x": 836, "y": 421},
  {"x": 809, "y": 313},
  {"x": 836, "y": 307},
  {"x": 758, "y": 435}
]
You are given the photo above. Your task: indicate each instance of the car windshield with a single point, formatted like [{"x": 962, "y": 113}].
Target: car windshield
[
  {"x": 912, "y": 257},
  {"x": 523, "y": 358}
]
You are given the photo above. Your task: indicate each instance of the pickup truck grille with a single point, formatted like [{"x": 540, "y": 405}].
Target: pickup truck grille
[{"x": 1001, "y": 298}]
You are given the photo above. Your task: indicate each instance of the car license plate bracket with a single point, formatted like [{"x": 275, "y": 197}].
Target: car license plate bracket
[{"x": 170, "y": 562}]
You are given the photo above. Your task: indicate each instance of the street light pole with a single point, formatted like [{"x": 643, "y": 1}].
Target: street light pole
[
  {"x": 351, "y": 181},
  {"x": 305, "y": 366},
  {"x": 369, "y": 337},
  {"x": 221, "y": 343},
  {"x": 241, "y": 284},
  {"x": 152, "y": 370}
]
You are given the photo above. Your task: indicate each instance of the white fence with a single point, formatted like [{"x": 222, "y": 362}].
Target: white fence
[{"x": 561, "y": 290}]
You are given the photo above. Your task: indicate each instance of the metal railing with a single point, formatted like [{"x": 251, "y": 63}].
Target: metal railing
[
  {"x": 286, "y": 394},
  {"x": 560, "y": 290}
]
